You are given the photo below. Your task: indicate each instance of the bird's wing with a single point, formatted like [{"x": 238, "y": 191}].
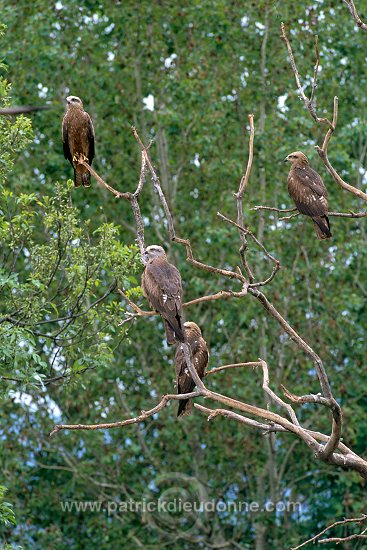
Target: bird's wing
[
  {"x": 65, "y": 139},
  {"x": 200, "y": 353},
  {"x": 311, "y": 179},
  {"x": 91, "y": 137},
  {"x": 308, "y": 191},
  {"x": 163, "y": 288},
  {"x": 200, "y": 356},
  {"x": 185, "y": 383}
]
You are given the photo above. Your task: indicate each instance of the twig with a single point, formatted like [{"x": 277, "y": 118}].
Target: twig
[
  {"x": 143, "y": 416},
  {"x": 156, "y": 184},
  {"x": 336, "y": 433},
  {"x": 242, "y": 187},
  {"x": 212, "y": 413},
  {"x": 307, "y": 101},
  {"x": 273, "y": 396},
  {"x": 131, "y": 197},
  {"x": 246, "y": 231},
  {"x": 102, "y": 182},
  {"x": 136, "y": 308},
  {"x": 316, "y": 70},
  {"x": 221, "y": 295},
  {"x": 322, "y": 151},
  {"x": 233, "y": 366},
  {"x": 335, "y": 524},
  {"x": 350, "y": 214},
  {"x": 353, "y": 11},
  {"x": 284, "y": 218},
  {"x": 273, "y": 208},
  {"x": 323, "y": 379}
]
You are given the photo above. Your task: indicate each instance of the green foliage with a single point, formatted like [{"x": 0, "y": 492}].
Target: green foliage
[
  {"x": 54, "y": 291},
  {"x": 14, "y": 135},
  {"x": 7, "y": 516}
]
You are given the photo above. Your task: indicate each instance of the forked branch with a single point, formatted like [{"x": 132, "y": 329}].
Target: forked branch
[
  {"x": 323, "y": 150},
  {"x": 326, "y": 448}
]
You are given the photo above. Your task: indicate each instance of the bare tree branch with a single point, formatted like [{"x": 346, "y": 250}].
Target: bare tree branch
[
  {"x": 23, "y": 109},
  {"x": 131, "y": 197},
  {"x": 246, "y": 231},
  {"x": 360, "y": 520},
  {"x": 307, "y": 102},
  {"x": 284, "y": 218},
  {"x": 353, "y": 11},
  {"x": 322, "y": 151},
  {"x": 273, "y": 208},
  {"x": 213, "y": 413},
  {"x": 239, "y": 195},
  {"x": 143, "y": 416},
  {"x": 333, "y": 442},
  {"x": 234, "y": 366},
  {"x": 221, "y": 295},
  {"x": 350, "y": 214}
]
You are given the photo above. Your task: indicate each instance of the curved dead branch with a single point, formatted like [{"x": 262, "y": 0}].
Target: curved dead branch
[
  {"x": 355, "y": 15},
  {"x": 337, "y": 540}
]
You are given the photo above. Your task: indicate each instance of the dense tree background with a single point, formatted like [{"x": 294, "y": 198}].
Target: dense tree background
[{"x": 207, "y": 64}]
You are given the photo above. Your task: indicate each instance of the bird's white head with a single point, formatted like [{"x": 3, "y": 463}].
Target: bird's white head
[
  {"x": 192, "y": 327},
  {"x": 297, "y": 158},
  {"x": 74, "y": 101},
  {"x": 154, "y": 251}
]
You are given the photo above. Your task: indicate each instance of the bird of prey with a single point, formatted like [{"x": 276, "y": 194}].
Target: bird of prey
[
  {"x": 309, "y": 193},
  {"x": 78, "y": 139},
  {"x": 161, "y": 284},
  {"x": 200, "y": 356}
]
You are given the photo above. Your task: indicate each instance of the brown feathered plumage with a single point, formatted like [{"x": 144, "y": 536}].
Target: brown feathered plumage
[
  {"x": 200, "y": 356},
  {"x": 161, "y": 284},
  {"x": 309, "y": 193},
  {"x": 78, "y": 139}
]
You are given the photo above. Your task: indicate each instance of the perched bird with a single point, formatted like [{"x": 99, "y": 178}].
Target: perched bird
[
  {"x": 200, "y": 356},
  {"x": 161, "y": 284},
  {"x": 309, "y": 193},
  {"x": 78, "y": 139}
]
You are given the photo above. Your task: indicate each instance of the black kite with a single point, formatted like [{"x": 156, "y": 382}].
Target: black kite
[
  {"x": 200, "y": 357},
  {"x": 161, "y": 284},
  {"x": 78, "y": 139},
  {"x": 309, "y": 193}
]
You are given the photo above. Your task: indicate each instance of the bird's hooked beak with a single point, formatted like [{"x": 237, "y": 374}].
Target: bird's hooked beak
[{"x": 286, "y": 159}]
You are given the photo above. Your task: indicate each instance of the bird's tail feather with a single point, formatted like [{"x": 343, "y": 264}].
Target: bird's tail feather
[
  {"x": 170, "y": 333},
  {"x": 81, "y": 177},
  {"x": 78, "y": 178},
  {"x": 322, "y": 227},
  {"x": 86, "y": 179},
  {"x": 174, "y": 330},
  {"x": 184, "y": 408}
]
